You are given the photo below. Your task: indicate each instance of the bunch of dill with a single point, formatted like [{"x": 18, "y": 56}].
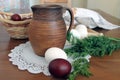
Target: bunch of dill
[{"x": 93, "y": 45}]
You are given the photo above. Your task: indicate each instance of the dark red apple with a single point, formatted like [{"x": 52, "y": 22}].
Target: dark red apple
[
  {"x": 16, "y": 17},
  {"x": 59, "y": 68}
]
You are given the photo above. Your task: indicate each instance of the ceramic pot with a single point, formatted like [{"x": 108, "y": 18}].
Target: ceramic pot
[{"x": 47, "y": 28}]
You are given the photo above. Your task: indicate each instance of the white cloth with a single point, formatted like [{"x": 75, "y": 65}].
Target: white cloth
[{"x": 90, "y": 18}]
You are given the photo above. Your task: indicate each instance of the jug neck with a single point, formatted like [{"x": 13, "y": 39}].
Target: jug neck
[{"x": 47, "y": 12}]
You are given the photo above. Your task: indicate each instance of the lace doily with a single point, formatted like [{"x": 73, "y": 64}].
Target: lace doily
[{"x": 24, "y": 57}]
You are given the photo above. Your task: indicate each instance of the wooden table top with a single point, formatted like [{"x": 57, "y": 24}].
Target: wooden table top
[{"x": 104, "y": 68}]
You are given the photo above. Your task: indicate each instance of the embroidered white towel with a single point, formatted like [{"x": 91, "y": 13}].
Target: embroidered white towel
[{"x": 89, "y": 18}]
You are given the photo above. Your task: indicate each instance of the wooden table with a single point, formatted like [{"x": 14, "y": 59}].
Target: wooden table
[{"x": 104, "y": 68}]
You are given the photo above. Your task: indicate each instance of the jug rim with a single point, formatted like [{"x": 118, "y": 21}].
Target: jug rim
[{"x": 46, "y": 6}]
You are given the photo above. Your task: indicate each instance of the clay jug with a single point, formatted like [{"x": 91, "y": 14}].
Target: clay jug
[{"x": 47, "y": 28}]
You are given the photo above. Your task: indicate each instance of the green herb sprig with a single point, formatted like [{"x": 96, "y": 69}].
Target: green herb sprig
[
  {"x": 93, "y": 45},
  {"x": 80, "y": 66}
]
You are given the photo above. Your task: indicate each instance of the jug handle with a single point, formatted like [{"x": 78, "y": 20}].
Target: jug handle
[{"x": 71, "y": 18}]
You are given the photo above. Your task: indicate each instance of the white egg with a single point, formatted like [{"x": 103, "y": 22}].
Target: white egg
[
  {"x": 75, "y": 33},
  {"x": 82, "y": 30},
  {"x": 81, "y": 26},
  {"x": 54, "y": 53}
]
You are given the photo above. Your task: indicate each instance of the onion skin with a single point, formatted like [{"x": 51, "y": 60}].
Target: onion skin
[{"x": 60, "y": 68}]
